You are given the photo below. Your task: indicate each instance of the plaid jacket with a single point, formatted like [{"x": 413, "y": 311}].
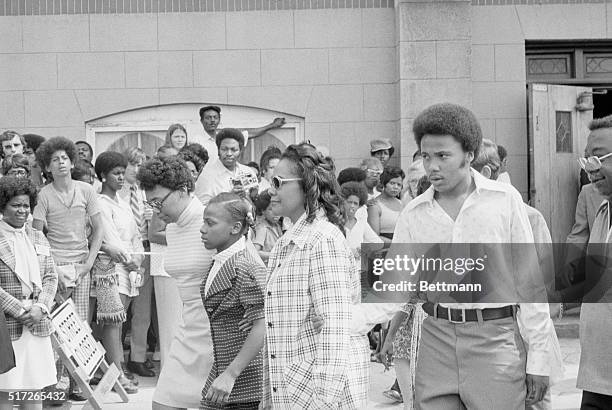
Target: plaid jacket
[
  {"x": 235, "y": 292},
  {"x": 309, "y": 270},
  {"x": 10, "y": 286}
]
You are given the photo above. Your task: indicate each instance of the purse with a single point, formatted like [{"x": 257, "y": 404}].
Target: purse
[
  {"x": 7, "y": 355},
  {"x": 110, "y": 308}
]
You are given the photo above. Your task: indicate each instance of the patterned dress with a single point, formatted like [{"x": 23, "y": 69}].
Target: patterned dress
[{"x": 231, "y": 291}]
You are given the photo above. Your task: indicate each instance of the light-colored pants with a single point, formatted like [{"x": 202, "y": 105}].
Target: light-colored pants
[
  {"x": 169, "y": 312},
  {"x": 473, "y": 365}
]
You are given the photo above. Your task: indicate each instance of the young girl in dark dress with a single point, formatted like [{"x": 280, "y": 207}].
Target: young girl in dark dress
[{"x": 230, "y": 291}]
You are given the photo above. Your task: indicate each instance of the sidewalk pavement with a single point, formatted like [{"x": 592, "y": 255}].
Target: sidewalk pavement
[{"x": 565, "y": 395}]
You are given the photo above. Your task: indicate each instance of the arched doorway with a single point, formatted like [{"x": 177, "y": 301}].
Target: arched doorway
[
  {"x": 148, "y": 142},
  {"x": 146, "y": 128}
]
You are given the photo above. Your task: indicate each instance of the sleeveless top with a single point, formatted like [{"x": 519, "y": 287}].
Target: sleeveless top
[{"x": 388, "y": 218}]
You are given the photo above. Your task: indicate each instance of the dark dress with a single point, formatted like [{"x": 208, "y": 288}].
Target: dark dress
[{"x": 234, "y": 293}]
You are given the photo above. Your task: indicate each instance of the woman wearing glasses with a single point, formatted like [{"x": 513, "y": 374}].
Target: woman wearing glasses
[
  {"x": 311, "y": 271},
  {"x": 17, "y": 166},
  {"x": 168, "y": 186}
]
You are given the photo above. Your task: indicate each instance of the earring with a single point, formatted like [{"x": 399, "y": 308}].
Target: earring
[{"x": 103, "y": 179}]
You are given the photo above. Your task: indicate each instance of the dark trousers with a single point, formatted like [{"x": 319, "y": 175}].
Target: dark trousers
[{"x": 595, "y": 401}]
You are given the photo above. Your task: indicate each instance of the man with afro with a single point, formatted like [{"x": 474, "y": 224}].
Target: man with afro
[{"x": 471, "y": 355}]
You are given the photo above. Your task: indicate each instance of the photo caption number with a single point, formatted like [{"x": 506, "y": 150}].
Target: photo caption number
[{"x": 35, "y": 396}]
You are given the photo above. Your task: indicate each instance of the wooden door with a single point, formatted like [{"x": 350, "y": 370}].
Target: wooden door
[{"x": 557, "y": 137}]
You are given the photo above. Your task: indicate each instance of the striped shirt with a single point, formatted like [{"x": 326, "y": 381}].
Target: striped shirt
[{"x": 186, "y": 259}]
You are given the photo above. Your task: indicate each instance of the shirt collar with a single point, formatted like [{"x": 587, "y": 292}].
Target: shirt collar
[
  {"x": 220, "y": 168},
  {"x": 300, "y": 232},
  {"x": 482, "y": 184},
  {"x": 236, "y": 247}
]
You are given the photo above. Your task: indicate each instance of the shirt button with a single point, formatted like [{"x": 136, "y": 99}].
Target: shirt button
[
  {"x": 272, "y": 356},
  {"x": 269, "y": 293},
  {"x": 269, "y": 324},
  {"x": 278, "y": 266},
  {"x": 274, "y": 389}
]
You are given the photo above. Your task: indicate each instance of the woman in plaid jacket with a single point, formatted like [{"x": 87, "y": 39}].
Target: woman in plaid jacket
[
  {"x": 28, "y": 283},
  {"x": 310, "y": 271}
]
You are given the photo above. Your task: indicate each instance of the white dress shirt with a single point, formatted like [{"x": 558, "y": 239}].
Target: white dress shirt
[
  {"x": 207, "y": 142},
  {"x": 216, "y": 178},
  {"x": 493, "y": 213}
]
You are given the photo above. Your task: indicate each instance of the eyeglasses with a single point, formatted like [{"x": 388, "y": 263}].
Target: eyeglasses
[
  {"x": 373, "y": 172},
  {"x": 277, "y": 182},
  {"x": 592, "y": 163},
  {"x": 17, "y": 172},
  {"x": 157, "y": 204}
]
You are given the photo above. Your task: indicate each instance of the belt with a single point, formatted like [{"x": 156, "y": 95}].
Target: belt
[{"x": 468, "y": 315}]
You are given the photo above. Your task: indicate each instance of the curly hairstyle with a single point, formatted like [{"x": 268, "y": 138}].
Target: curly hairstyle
[
  {"x": 351, "y": 174},
  {"x": 262, "y": 202},
  {"x": 321, "y": 190},
  {"x": 449, "y": 119},
  {"x": 33, "y": 141},
  {"x": 237, "y": 208},
  {"x": 171, "y": 173},
  {"x": 199, "y": 150},
  {"x": 270, "y": 153},
  {"x": 108, "y": 160},
  {"x": 230, "y": 133},
  {"x": 51, "y": 146},
  {"x": 10, "y": 187},
  {"x": 171, "y": 130},
  {"x": 355, "y": 189},
  {"x": 188, "y": 155},
  {"x": 16, "y": 161},
  {"x": 389, "y": 173},
  {"x": 488, "y": 156}
]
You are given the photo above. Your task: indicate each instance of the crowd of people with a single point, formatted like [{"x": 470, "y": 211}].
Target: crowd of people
[{"x": 250, "y": 276}]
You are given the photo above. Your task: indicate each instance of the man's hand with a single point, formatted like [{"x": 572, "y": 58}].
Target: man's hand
[
  {"x": 537, "y": 386},
  {"x": 117, "y": 255},
  {"x": 61, "y": 283},
  {"x": 239, "y": 190},
  {"x": 81, "y": 269},
  {"x": 278, "y": 122},
  {"x": 148, "y": 213},
  {"x": 131, "y": 265},
  {"x": 221, "y": 388}
]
